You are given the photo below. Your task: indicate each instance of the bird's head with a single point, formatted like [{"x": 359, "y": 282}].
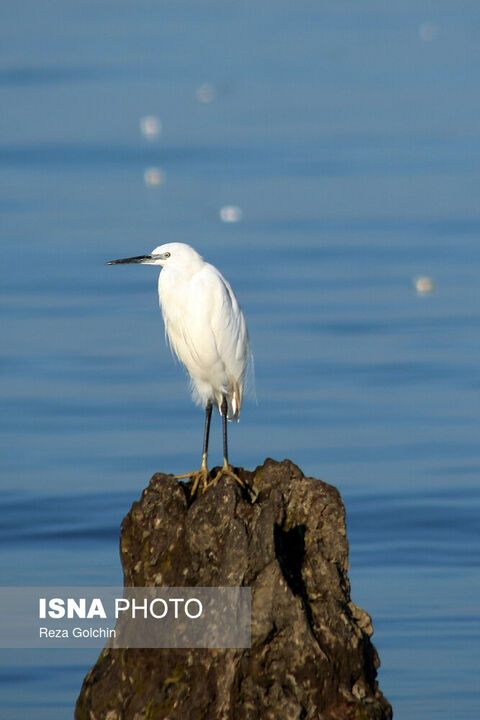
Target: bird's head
[{"x": 170, "y": 253}]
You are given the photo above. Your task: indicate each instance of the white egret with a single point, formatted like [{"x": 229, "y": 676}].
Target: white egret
[{"x": 206, "y": 330}]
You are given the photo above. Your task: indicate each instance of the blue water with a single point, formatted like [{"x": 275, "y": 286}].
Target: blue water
[{"x": 349, "y": 137}]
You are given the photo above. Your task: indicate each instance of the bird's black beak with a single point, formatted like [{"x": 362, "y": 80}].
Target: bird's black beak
[{"x": 123, "y": 261}]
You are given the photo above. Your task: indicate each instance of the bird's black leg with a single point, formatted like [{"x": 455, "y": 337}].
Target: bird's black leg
[
  {"x": 224, "y": 410},
  {"x": 202, "y": 474},
  {"x": 226, "y": 469},
  {"x": 208, "y": 417}
]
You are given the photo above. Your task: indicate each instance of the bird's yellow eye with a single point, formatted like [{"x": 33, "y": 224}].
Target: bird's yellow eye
[{"x": 167, "y": 254}]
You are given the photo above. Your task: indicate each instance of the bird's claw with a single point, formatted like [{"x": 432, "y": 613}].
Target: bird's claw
[
  {"x": 202, "y": 480},
  {"x": 228, "y": 471},
  {"x": 199, "y": 477}
]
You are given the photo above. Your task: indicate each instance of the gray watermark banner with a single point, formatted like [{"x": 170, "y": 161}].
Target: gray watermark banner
[{"x": 148, "y": 617}]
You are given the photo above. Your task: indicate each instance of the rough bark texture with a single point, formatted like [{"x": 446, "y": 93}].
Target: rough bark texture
[{"x": 311, "y": 655}]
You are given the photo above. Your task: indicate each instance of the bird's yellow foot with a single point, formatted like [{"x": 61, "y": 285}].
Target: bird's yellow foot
[
  {"x": 228, "y": 471},
  {"x": 200, "y": 478}
]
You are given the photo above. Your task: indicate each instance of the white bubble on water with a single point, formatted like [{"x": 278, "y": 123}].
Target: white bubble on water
[
  {"x": 230, "y": 214},
  {"x": 154, "y": 177},
  {"x": 424, "y": 285},
  {"x": 150, "y": 126},
  {"x": 206, "y": 93}
]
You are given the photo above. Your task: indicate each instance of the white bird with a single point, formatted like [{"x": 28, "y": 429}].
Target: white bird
[{"x": 206, "y": 330}]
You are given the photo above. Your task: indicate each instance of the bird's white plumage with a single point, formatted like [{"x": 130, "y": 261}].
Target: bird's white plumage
[{"x": 204, "y": 325}]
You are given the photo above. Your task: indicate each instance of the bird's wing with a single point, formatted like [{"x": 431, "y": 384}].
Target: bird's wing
[{"x": 212, "y": 339}]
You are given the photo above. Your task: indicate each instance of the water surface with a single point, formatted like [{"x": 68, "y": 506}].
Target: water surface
[{"x": 349, "y": 138}]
